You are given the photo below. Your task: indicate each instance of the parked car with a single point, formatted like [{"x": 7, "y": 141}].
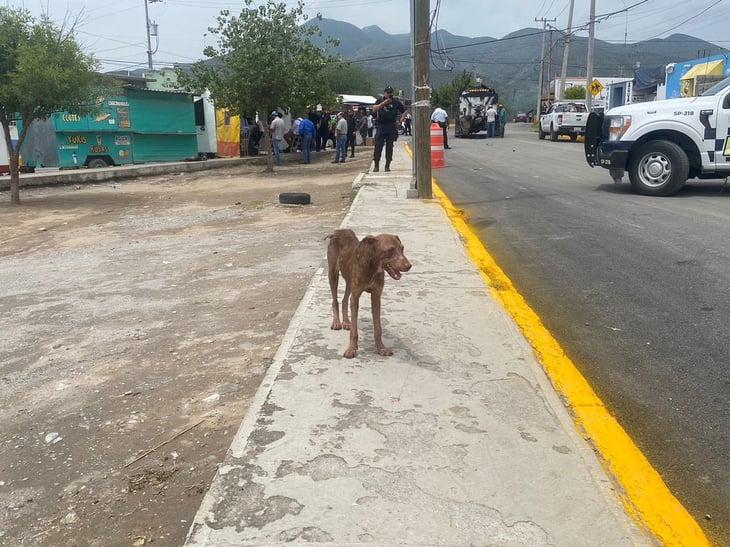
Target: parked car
[
  {"x": 564, "y": 118},
  {"x": 520, "y": 117}
]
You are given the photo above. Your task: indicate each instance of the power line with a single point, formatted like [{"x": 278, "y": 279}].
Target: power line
[{"x": 688, "y": 19}]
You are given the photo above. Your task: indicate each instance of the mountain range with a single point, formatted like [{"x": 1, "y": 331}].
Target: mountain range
[{"x": 510, "y": 64}]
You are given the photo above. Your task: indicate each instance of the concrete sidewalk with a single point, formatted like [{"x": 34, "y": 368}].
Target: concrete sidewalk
[{"x": 457, "y": 439}]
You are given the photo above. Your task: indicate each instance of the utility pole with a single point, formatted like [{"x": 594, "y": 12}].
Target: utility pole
[
  {"x": 550, "y": 63},
  {"x": 421, "y": 97},
  {"x": 589, "y": 67},
  {"x": 149, "y": 33},
  {"x": 566, "y": 50},
  {"x": 542, "y": 67}
]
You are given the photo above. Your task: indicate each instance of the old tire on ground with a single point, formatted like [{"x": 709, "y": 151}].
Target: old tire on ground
[
  {"x": 97, "y": 163},
  {"x": 295, "y": 198},
  {"x": 658, "y": 168},
  {"x": 553, "y": 134}
]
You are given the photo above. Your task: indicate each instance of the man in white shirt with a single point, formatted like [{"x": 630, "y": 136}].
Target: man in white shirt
[
  {"x": 442, "y": 118},
  {"x": 277, "y": 135},
  {"x": 491, "y": 121}
]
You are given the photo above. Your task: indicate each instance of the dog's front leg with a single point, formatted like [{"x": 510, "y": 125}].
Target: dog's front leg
[
  {"x": 377, "y": 327},
  {"x": 351, "y": 350}
]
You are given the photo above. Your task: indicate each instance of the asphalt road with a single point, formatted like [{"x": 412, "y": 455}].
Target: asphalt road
[{"x": 636, "y": 289}]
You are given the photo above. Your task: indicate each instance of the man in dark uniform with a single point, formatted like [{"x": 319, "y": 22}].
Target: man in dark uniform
[
  {"x": 351, "y": 131},
  {"x": 390, "y": 111},
  {"x": 323, "y": 131}
]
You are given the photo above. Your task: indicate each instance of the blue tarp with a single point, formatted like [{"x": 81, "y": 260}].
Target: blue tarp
[{"x": 648, "y": 78}]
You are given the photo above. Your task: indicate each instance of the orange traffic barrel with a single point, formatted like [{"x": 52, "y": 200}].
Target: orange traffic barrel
[{"x": 437, "y": 146}]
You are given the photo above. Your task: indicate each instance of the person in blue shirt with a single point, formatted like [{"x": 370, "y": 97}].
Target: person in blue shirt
[{"x": 307, "y": 132}]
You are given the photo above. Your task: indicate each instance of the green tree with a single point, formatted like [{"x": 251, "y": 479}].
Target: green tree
[
  {"x": 346, "y": 77},
  {"x": 448, "y": 94},
  {"x": 575, "y": 92},
  {"x": 42, "y": 71},
  {"x": 264, "y": 59}
]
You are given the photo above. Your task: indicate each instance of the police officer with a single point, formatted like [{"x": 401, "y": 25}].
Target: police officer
[{"x": 389, "y": 111}]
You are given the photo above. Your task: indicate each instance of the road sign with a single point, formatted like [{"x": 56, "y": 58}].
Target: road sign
[{"x": 595, "y": 88}]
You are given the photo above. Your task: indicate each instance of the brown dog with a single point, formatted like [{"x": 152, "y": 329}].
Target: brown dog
[{"x": 362, "y": 264}]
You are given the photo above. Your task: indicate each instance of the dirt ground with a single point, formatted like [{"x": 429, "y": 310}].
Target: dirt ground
[{"x": 137, "y": 323}]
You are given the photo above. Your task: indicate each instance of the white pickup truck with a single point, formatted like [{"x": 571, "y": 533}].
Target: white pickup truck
[
  {"x": 663, "y": 143},
  {"x": 563, "y": 118}
]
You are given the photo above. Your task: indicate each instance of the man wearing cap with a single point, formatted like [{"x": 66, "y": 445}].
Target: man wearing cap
[
  {"x": 389, "y": 111},
  {"x": 277, "y": 135}
]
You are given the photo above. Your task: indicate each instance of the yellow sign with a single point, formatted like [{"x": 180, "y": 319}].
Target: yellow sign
[{"x": 595, "y": 88}]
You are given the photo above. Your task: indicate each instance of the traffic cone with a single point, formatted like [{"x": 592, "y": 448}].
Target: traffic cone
[{"x": 437, "y": 146}]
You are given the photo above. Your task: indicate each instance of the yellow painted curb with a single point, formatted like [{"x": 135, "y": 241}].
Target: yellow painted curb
[{"x": 644, "y": 494}]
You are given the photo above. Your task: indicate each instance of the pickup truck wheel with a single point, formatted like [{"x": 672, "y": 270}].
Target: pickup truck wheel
[
  {"x": 540, "y": 133},
  {"x": 658, "y": 168},
  {"x": 553, "y": 134}
]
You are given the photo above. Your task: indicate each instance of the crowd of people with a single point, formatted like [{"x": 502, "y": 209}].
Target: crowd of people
[{"x": 319, "y": 128}]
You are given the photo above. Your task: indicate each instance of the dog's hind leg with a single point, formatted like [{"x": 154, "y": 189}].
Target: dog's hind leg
[
  {"x": 345, "y": 306},
  {"x": 334, "y": 278}
]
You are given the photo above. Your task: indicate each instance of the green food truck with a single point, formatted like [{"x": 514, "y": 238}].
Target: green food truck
[{"x": 138, "y": 126}]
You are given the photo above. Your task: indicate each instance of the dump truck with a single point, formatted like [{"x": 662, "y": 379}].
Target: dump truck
[{"x": 473, "y": 104}]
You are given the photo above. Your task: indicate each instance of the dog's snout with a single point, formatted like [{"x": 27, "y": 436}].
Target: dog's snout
[{"x": 403, "y": 263}]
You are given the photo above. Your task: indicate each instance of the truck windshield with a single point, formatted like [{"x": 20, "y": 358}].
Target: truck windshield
[{"x": 715, "y": 89}]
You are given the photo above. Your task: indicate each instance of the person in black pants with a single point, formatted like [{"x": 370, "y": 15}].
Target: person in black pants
[
  {"x": 390, "y": 111},
  {"x": 323, "y": 131},
  {"x": 351, "y": 131}
]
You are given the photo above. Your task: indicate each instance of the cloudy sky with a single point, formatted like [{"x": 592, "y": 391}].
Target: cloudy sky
[{"x": 115, "y": 32}]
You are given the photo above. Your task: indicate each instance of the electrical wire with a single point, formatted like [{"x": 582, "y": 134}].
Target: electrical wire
[{"x": 695, "y": 16}]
